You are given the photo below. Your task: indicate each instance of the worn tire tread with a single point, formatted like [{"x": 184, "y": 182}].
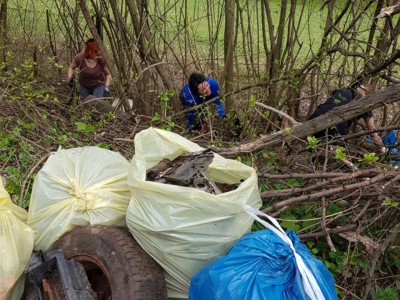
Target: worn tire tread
[{"x": 135, "y": 275}]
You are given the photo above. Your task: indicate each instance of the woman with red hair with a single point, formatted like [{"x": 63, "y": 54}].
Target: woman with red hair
[{"x": 94, "y": 75}]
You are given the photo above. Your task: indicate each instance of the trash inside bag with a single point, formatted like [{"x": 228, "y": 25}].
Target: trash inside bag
[
  {"x": 16, "y": 246},
  {"x": 182, "y": 227},
  {"x": 261, "y": 265},
  {"x": 78, "y": 186}
]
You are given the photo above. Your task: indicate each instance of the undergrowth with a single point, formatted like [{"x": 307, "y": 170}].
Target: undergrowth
[{"x": 36, "y": 121}]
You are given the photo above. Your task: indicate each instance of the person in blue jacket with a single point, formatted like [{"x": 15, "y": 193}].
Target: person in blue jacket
[{"x": 198, "y": 90}]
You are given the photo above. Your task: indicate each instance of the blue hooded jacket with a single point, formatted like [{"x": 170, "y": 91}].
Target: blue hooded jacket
[{"x": 191, "y": 99}]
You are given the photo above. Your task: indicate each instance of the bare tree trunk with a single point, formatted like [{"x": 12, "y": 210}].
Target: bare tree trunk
[
  {"x": 153, "y": 48},
  {"x": 3, "y": 32},
  {"x": 103, "y": 49},
  {"x": 145, "y": 42},
  {"x": 228, "y": 50}
]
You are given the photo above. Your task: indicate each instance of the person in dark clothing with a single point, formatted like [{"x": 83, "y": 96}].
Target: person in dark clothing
[
  {"x": 200, "y": 89},
  {"x": 341, "y": 97}
]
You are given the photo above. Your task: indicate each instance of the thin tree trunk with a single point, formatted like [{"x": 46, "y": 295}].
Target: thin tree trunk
[
  {"x": 3, "y": 32},
  {"x": 228, "y": 50}
]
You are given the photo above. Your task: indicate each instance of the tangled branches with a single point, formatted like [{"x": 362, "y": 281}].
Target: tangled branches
[{"x": 350, "y": 207}]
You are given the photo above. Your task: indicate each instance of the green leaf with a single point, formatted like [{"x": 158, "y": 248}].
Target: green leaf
[
  {"x": 288, "y": 224},
  {"x": 312, "y": 142},
  {"x": 388, "y": 202},
  {"x": 340, "y": 153},
  {"x": 288, "y": 130},
  {"x": 252, "y": 100},
  {"x": 80, "y": 126},
  {"x": 314, "y": 251},
  {"x": 370, "y": 158},
  {"x": 156, "y": 117},
  {"x": 293, "y": 182}
]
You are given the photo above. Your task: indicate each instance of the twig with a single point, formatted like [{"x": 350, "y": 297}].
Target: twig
[
  {"x": 344, "y": 228},
  {"x": 301, "y": 176},
  {"x": 324, "y": 204},
  {"x": 393, "y": 180},
  {"x": 27, "y": 140},
  {"x": 313, "y": 235},
  {"x": 329, "y": 192},
  {"x": 27, "y": 177},
  {"x": 294, "y": 122},
  {"x": 348, "y": 292},
  {"x": 362, "y": 212},
  {"x": 344, "y": 177},
  {"x": 124, "y": 140},
  {"x": 389, "y": 239}
]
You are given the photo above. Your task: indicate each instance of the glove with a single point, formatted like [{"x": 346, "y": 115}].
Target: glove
[
  {"x": 71, "y": 82},
  {"x": 106, "y": 90}
]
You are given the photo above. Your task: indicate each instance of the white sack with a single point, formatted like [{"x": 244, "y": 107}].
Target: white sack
[
  {"x": 16, "y": 246},
  {"x": 79, "y": 186},
  {"x": 184, "y": 228}
]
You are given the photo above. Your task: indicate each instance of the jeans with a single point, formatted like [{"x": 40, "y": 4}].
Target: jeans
[{"x": 98, "y": 92}]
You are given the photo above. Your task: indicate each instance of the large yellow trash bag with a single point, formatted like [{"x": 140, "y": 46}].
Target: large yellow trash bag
[
  {"x": 78, "y": 186},
  {"x": 184, "y": 228},
  {"x": 16, "y": 245}
]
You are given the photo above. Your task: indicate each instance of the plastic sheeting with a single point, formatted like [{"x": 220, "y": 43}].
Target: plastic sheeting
[
  {"x": 184, "y": 228},
  {"x": 266, "y": 264},
  {"x": 78, "y": 186},
  {"x": 16, "y": 245}
]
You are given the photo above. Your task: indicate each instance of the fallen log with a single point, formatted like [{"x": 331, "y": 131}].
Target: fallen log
[{"x": 339, "y": 114}]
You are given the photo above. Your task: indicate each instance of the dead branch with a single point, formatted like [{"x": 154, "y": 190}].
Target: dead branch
[
  {"x": 378, "y": 253},
  {"x": 29, "y": 176},
  {"x": 344, "y": 228},
  {"x": 324, "y": 208},
  {"x": 319, "y": 185},
  {"x": 392, "y": 181},
  {"x": 346, "y": 112},
  {"x": 389, "y": 11},
  {"x": 358, "y": 185},
  {"x": 281, "y": 113},
  {"x": 318, "y": 175},
  {"x": 362, "y": 212}
]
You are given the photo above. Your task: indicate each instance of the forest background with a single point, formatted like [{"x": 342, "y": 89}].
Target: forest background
[{"x": 270, "y": 57}]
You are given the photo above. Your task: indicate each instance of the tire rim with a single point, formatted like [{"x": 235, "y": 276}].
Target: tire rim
[{"x": 97, "y": 275}]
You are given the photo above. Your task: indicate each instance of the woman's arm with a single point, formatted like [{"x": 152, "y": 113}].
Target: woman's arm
[{"x": 370, "y": 122}]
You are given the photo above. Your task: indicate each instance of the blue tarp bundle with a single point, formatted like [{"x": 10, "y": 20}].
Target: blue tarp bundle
[
  {"x": 390, "y": 138},
  {"x": 262, "y": 265}
]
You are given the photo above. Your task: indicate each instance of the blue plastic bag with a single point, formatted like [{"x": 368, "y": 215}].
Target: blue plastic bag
[
  {"x": 263, "y": 265},
  {"x": 390, "y": 138}
]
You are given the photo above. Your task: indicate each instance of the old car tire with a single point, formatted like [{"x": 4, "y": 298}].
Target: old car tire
[{"x": 116, "y": 266}]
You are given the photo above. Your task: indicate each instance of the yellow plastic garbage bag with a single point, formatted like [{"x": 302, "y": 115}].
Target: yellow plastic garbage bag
[
  {"x": 184, "y": 228},
  {"x": 16, "y": 246},
  {"x": 78, "y": 186}
]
